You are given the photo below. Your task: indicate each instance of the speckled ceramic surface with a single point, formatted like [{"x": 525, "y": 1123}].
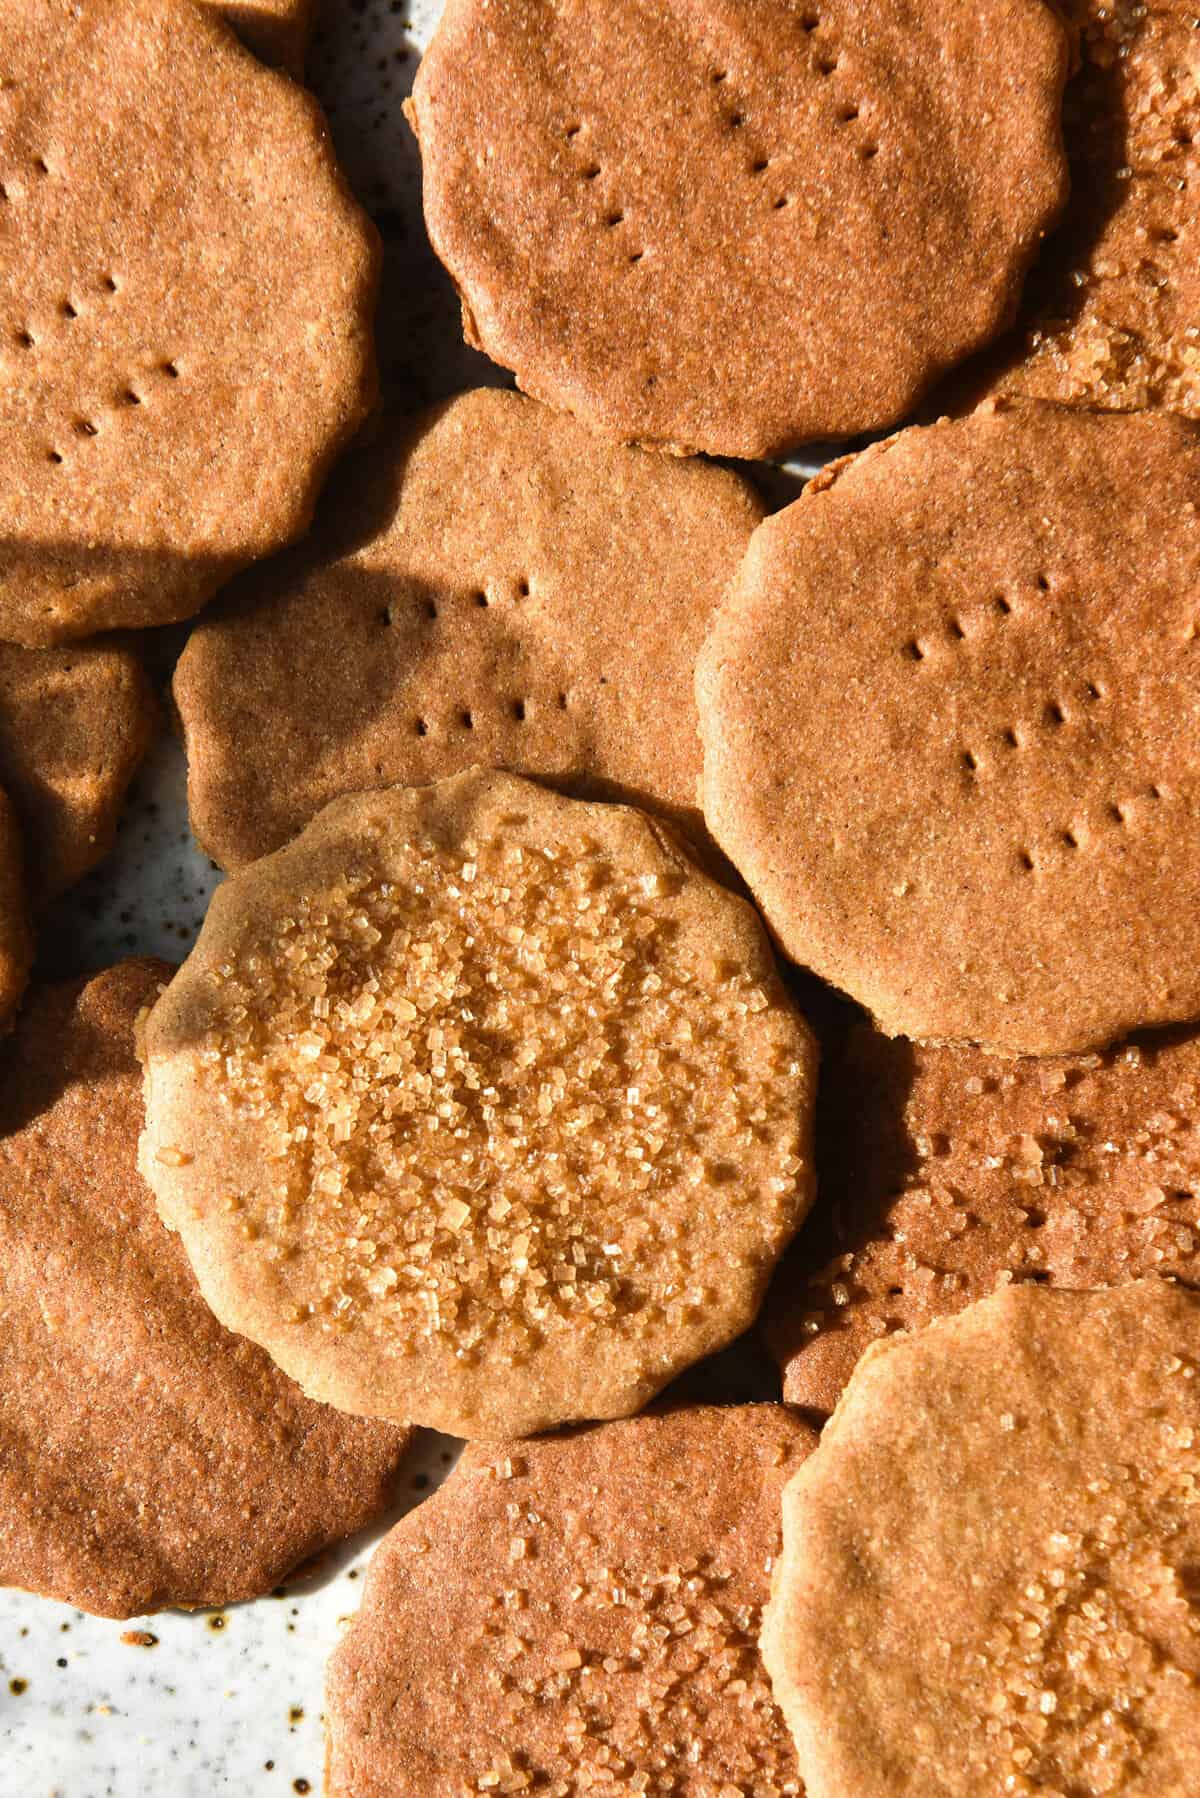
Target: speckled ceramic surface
[
  {"x": 183, "y": 1704},
  {"x": 230, "y": 1702}
]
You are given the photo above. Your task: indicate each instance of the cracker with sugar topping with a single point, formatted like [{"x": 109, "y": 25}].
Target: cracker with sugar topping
[
  {"x": 148, "y": 1457},
  {"x": 1111, "y": 314},
  {"x": 481, "y": 1107},
  {"x": 16, "y": 942},
  {"x": 988, "y": 1579},
  {"x": 736, "y": 225},
  {"x": 577, "y": 1614},
  {"x": 186, "y": 291},
  {"x": 944, "y": 1172},
  {"x": 550, "y": 626},
  {"x": 74, "y": 726}
]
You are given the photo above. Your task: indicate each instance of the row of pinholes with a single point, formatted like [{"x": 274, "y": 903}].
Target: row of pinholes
[
  {"x": 477, "y": 597},
  {"x": 1001, "y": 608},
  {"x": 759, "y": 164},
  {"x": 464, "y": 718},
  {"x": 825, "y": 63},
  {"x": 128, "y": 396},
  {"x": 998, "y": 610},
  {"x": 614, "y": 217},
  {"x": 69, "y": 311},
  {"x": 1055, "y": 717},
  {"x": 1070, "y": 838}
]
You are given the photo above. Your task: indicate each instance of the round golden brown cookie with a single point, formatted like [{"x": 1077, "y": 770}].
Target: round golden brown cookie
[
  {"x": 187, "y": 288},
  {"x": 495, "y": 585},
  {"x": 74, "y": 725},
  {"x": 147, "y": 1456},
  {"x": 578, "y": 1614},
  {"x": 1111, "y": 315},
  {"x": 944, "y": 1172},
  {"x": 278, "y": 31},
  {"x": 948, "y": 720},
  {"x": 480, "y": 1106},
  {"x": 741, "y": 224},
  {"x": 988, "y": 1579}
]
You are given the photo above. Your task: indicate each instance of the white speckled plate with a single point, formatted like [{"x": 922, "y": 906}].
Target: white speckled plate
[{"x": 191, "y": 1705}]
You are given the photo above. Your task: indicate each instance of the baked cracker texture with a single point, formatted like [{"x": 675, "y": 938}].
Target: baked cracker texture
[
  {"x": 188, "y": 289},
  {"x": 278, "y": 31},
  {"x": 944, "y": 1172},
  {"x": 550, "y": 626},
  {"x": 947, "y": 720},
  {"x": 74, "y": 726},
  {"x": 1111, "y": 315},
  {"x": 480, "y": 1106},
  {"x": 147, "y": 1456},
  {"x": 16, "y": 941},
  {"x": 988, "y": 1578},
  {"x": 737, "y": 225},
  {"x": 577, "y": 1614}
]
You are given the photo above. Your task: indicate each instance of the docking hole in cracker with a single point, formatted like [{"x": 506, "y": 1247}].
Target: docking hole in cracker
[
  {"x": 480, "y": 1107},
  {"x": 988, "y": 1580}
]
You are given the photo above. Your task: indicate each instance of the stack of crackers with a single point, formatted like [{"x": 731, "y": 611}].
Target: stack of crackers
[{"x": 650, "y": 917}]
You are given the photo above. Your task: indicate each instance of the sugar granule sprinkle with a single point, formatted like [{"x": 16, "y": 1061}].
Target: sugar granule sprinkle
[{"x": 497, "y": 1101}]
